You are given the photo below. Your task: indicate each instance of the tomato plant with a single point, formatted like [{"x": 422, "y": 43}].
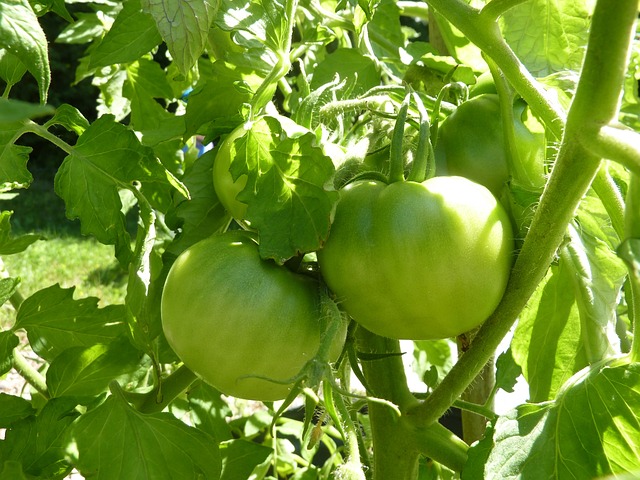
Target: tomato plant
[
  {"x": 237, "y": 320},
  {"x": 350, "y": 142},
  {"x": 418, "y": 260}
]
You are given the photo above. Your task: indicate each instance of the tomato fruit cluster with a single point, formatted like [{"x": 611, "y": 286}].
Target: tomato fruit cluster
[
  {"x": 418, "y": 260},
  {"x": 236, "y": 319}
]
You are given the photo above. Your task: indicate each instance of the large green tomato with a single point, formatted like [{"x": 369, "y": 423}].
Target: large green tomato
[
  {"x": 471, "y": 144},
  {"x": 231, "y": 316},
  {"x": 418, "y": 260}
]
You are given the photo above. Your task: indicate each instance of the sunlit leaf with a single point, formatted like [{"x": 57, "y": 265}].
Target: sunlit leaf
[
  {"x": 589, "y": 431},
  {"x": 54, "y": 321},
  {"x": 22, "y": 35}
]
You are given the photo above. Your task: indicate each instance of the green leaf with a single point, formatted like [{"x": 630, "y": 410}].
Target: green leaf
[
  {"x": 240, "y": 457},
  {"x": 87, "y": 371},
  {"x": 590, "y": 431},
  {"x": 285, "y": 192},
  {"x": 567, "y": 322},
  {"x": 209, "y": 411},
  {"x": 13, "y": 409},
  {"x": 263, "y": 21},
  {"x": 70, "y": 118},
  {"x": 459, "y": 46},
  {"x": 200, "y": 216},
  {"x": 433, "y": 357},
  {"x": 11, "y": 68},
  {"x": 8, "y": 341},
  {"x": 54, "y": 321},
  {"x": 21, "y": 35},
  {"x": 184, "y": 26},
  {"x": 12, "y": 469},
  {"x": 133, "y": 34},
  {"x": 146, "y": 81},
  {"x": 359, "y": 71},
  {"x": 38, "y": 441},
  {"x": 535, "y": 28},
  {"x": 84, "y": 29},
  {"x": 507, "y": 371},
  {"x": 157, "y": 446},
  {"x": 10, "y": 244},
  {"x": 107, "y": 158},
  {"x": 13, "y": 158},
  {"x": 216, "y": 104},
  {"x": 16, "y": 110}
]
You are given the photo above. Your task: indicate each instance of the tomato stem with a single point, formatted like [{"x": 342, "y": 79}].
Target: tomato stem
[
  {"x": 424, "y": 162},
  {"x": 396, "y": 168},
  {"x": 632, "y": 230}
]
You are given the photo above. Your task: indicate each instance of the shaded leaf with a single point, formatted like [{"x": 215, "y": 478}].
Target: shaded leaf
[
  {"x": 11, "y": 68},
  {"x": 38, "y": 442},
  {"x": 13, "y": 409},
  {"x": 16, "y": 110},
  {"x": 240, "y": 457},
  {"x": 10, "y": 244},
  {"x": 200, "y": 216},
  {"x": 13, "y": 158},
  {"x": 8, "y": 341},
  {"x": 209, "y": 411},
  {"x": 157, "y": 446}
]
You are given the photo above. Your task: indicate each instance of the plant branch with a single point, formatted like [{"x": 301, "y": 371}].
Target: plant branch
[
  {"x": 495, "y": 8},
  {"x": 32, "y": 127},
  {"x": 615, "y": 143},
  {"x": 612, "y": 30},
  {"x": 30, "y": 374}
]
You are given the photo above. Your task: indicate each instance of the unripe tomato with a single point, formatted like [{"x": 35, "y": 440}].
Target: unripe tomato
[
  {"x": 231, "y": 316},
  {"x": 471, "y": 144},
  {"x": 418, "y": 260}
]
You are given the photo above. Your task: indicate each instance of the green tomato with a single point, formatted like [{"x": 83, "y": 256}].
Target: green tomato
[
  {"x": 418, "y": 260},
  {"x": 471, "y": 144},
  {"x": 231, "y": 317}
]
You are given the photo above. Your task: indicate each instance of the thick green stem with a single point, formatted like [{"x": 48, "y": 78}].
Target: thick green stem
[
  {"x": 397, "y": 441},
  {"x": 30, "y": 374},
  {"x": 616, "y": 143},
  {"x": 611, "y": 198},
  {"x": 596, "y": 100},
  {"x": 632, "y": 230}
]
